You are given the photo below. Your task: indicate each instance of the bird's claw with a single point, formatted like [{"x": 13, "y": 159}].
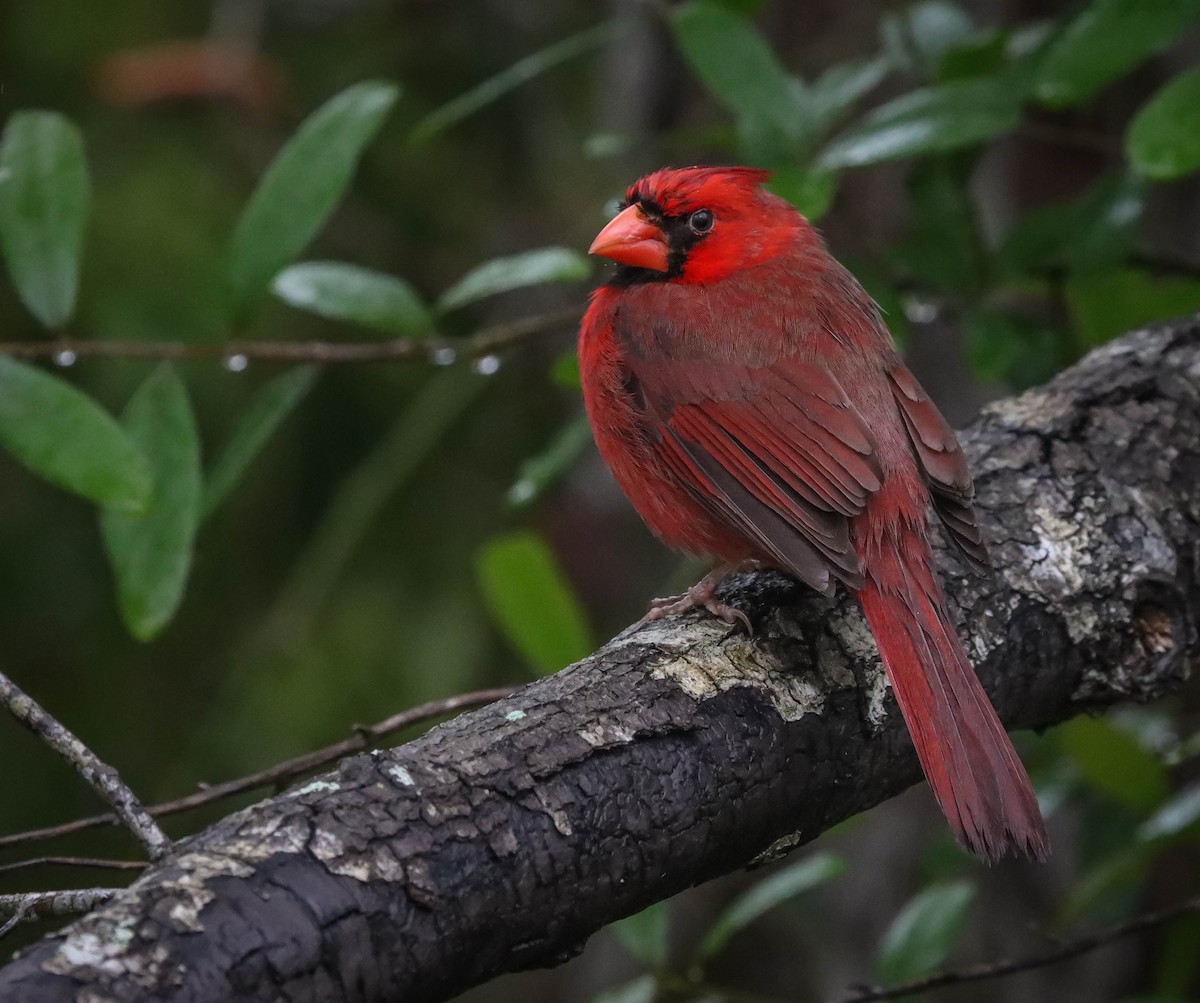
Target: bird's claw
[{"x": 703, "y": 598}]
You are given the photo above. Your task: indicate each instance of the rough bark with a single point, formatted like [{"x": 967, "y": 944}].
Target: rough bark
[{"x": 678, "y": 752}]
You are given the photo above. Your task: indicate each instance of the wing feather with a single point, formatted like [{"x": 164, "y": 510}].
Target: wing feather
[
  {"x": 729, "y": 501},
  {"x": 943, "y": 464},
  {"x": 777, "y": 451}
]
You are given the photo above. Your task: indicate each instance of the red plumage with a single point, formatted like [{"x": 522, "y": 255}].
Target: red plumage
[{"x": 749, "y": 400}]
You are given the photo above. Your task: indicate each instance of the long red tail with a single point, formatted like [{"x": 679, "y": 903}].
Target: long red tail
[{"x": 967, "y": 756}]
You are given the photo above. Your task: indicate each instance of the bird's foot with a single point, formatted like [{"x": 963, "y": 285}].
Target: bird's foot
[{"x": 702, "y": 594}]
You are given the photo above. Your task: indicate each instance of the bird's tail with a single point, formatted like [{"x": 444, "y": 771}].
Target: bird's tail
[{"x": 967, "y": 757}]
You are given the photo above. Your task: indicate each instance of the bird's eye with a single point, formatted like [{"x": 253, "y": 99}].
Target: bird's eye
[{"x": 701, "y": 221}]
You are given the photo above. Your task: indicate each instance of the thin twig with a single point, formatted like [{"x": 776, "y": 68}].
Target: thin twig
[
  {"x": 14, "y": 921},
  {"x": 35, "y": 905},
  {"x": 362, "y": 739},
  {"x": 999, "y": 969},
  {"x": 486, "y": 341},
  {"x": 102, "y": 778},
  {"x": 98, "y": 862}
]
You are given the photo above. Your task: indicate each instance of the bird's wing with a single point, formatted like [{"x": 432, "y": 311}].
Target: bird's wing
[
  {"x": 943, "y": 464},
  {"x": 778, "y": 451}
]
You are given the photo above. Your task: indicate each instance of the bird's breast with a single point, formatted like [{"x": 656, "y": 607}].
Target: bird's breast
[{"x": 627, "y": 428}]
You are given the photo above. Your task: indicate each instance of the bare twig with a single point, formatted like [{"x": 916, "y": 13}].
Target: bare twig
[
  {"x": 35, "y": 905},
  {"x": 12, "y": 922},
  {"x": 98, "y": 862},
  {"x": 438, "y": 350},
  {"x": 363, "y": 737},
  {"x": 999, "y": 969},
  {"x": 102, "y": 778}
]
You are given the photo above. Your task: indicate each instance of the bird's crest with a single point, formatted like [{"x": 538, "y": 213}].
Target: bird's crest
[{"x": 676, "y": 190}]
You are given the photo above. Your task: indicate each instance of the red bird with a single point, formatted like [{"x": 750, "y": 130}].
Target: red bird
[{"x": 745, "y": 392}]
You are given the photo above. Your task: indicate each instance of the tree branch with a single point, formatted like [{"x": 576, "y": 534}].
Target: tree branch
[
  {"x": 486, "y": 341},
  {"x": 101, "y": 777},
  {"x": 289, "y": 769},
  {"x": 101, "y": 863},
  {"x": 36, "y": 905},
  {"x": 504, "y": 838}
]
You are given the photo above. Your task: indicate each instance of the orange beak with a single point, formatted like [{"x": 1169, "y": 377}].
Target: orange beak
[{"x": 631, "y": 239}]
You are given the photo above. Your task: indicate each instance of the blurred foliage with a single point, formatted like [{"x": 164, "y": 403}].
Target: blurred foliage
[
  {"x": 924, "y": 932},
  {"x": 308, "y": 548}
]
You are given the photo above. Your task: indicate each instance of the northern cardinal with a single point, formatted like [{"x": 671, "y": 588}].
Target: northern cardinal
[{"x": 748, "y": 397}]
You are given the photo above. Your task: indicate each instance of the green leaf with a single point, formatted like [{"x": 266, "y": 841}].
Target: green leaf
[
  {"x": 565, "y": 371},
  {"x": 1177, "y": 814},
  {"x": 1030, "y": 39},
  {"x": 739, "y": 68},
  {"x": 925, "y": 931},
  {"x": 943, "y": 248},
  {"x": 347, "y": 292},
  {"x": 151, "y": 552},
  {"x": 1107, "y": 227},
  {"x": 62, "y": 435},
  {"x": 916, "y": 39},
  {"x": 640, "y": 990},
  {"x": 1092, "y": 231},
  {"x": 840, "y": 88},
  {"x": 540, "y": 471},
  {"x": 302, "y": 186},
  {"x": 644, "y": 935},
  {"x": 608, "y": 144},
  {"x": 982, "y": 55},
  {"x": 931, "y": 120},
  {"x": 532, "y": 602},
  {"x": 758, "y": 140},
  {"x": 520, "y": 72},
  {"x": 1177, "y": 964},
  {"x": 1008, "y": 348},
  {"x": 529, "y": 268},
  {"x": 1113, "y": 761},
  {"x": 1163, "y": 141},
  {"x": 1116, "y": 876},
  {"x": 45, "y": 197},
  {"x": 1107, "y": 38},
  {"x": 810, "y": 191},
  {"x": 270, "y": 406},
  {"x": 1106, "y": 304},
  {"x": 797, "y": 878},
  {"x": 1185, "y": 750}
]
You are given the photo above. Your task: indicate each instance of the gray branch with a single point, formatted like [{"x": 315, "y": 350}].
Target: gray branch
[
  {"x": 101, "y": 777},
  {"x": 504, "y": 838},
  {"x": 37, "y": 905}
]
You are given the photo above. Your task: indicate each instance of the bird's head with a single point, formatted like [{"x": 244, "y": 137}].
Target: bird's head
[{"x": 697, "y": 225}]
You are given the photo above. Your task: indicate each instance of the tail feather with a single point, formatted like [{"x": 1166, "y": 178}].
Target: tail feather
[{"x": 966, "y": 754}]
